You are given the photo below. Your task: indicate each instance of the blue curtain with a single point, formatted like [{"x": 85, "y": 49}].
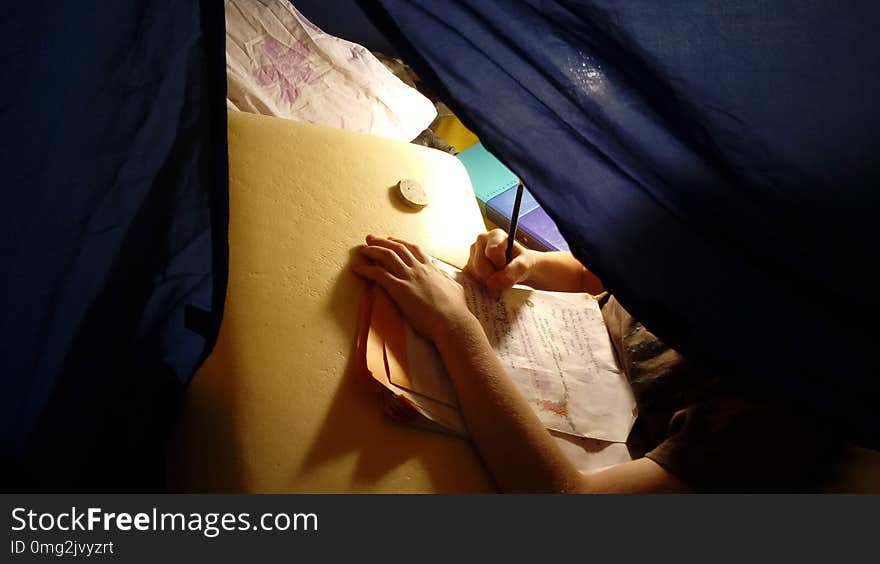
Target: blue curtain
[
  {"x": 113, "y": 214},
  {"x": 715, "y": 162}
]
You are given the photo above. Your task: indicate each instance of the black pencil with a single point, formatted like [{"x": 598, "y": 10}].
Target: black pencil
[{"x": 514, "y": 219}]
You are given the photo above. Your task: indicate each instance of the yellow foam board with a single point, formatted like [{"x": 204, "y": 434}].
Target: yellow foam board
[{"x": 277, "y": 406}]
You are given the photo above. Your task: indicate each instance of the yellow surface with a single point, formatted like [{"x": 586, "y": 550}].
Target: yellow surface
[
  {"x": 277, "y": 407},
  {"x": 451, "y": 130}
]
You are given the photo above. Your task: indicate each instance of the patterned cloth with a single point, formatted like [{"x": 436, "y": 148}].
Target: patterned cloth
[
  {"x": 698, "y": 427},
  {"x": 280, "y": 64}
]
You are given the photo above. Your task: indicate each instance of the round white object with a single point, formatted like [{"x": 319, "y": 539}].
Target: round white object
[{"x": 412, "y": 193}]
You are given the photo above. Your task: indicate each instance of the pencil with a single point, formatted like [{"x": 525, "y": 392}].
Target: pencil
[{"x": 514, "y": 219}]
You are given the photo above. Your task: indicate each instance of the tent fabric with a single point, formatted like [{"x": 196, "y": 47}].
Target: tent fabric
[
  {"x": 114, "y": 214},
  {"x": 714, "y": 162}
]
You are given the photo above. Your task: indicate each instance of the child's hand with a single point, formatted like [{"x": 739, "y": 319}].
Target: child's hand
[
  {"x": 431, "y": 301},
  {"x": 487, "y": 263}
]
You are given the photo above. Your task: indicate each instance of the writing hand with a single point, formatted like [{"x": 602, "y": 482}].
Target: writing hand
[{"x": 487, "y": 261}]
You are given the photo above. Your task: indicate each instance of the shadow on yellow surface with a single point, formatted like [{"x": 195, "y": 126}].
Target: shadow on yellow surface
[{"x": 277, "y": 406}]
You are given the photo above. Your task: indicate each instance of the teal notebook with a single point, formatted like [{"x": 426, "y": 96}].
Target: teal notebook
[{"x": 489, "y": 176}]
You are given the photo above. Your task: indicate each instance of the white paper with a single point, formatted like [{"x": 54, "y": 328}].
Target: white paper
[
  {"x": 278, "y": 63},
  {"x": 556, "y": 350}
]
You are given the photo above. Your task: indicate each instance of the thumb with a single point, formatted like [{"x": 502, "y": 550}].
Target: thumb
[{"x": 513, "y": 273}]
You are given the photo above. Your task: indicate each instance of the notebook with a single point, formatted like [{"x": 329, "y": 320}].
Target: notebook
[{"x": 495, "y": 189}]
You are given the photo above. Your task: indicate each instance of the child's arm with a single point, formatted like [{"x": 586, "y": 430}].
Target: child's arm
[
  {"x": 557, "y": 271},
  {"x": 518, "y": 450}
]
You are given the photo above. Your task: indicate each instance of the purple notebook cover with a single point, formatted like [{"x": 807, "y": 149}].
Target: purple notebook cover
[
  {"x": 535, "y": 229},
  {"x": 538, "y": 226},
  {"x": 502, "y": 204}
]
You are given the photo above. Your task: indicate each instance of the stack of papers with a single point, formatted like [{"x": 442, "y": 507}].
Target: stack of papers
[{"x": 554, "y": 346}]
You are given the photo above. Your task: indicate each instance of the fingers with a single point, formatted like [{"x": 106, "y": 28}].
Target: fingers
[
  {"x": 396, "y": 246},
  {"x": 416, "y": 250},
  {"x": 496, "y": 248},
  {"x": 488, "y": 260},
  {"x": 478, "y": 265},
  {"x": 513, "y": 273},
  {"x": 361, "y": 266},
  {"x": 386, "y": 258},
  {"x": 391, "y": 255}
]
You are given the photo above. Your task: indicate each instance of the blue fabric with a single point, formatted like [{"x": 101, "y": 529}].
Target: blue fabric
[
  {"x": 714, "y": 162},
  {"x": 113, "y": 211}
]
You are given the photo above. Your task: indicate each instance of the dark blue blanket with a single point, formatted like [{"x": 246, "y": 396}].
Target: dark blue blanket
[
  {"x": 715, "y": 162},
  {"x": 113, "y": 214}
]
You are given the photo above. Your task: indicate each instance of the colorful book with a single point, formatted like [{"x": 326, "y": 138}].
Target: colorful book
[
  {"x": 495, "y": 189},
  {"x": 489, "y": 176}
]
